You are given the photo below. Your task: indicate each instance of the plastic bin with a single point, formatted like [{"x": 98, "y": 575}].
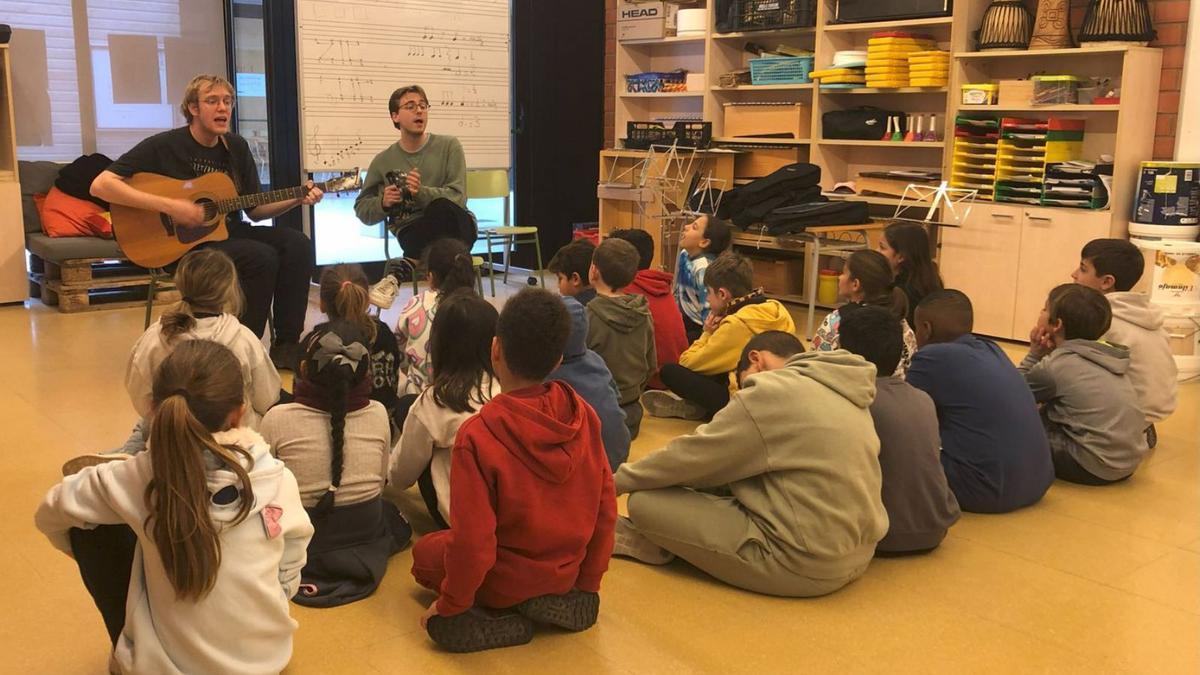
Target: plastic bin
[
  {"x": 653, "y": 83},
  {"x": 781, "y": 70},
  {"x": 768, "y": 14},
  {"x": 1055, "y": 89}
]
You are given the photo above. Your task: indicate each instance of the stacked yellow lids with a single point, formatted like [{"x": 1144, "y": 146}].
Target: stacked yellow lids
[
  {"x": 928, "y": 68},
  {"x": 839, "y": 76},
  {"x": 888, "y": 58}
]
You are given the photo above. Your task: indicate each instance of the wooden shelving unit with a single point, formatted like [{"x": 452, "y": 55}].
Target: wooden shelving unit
[
  {"x": 14, "y": 285},
  {"x": 1005, "y": 256}
]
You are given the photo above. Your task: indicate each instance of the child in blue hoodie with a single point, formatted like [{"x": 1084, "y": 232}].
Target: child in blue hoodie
[
  {"x": 700, "y": 242},
  {"x": 588, "y": 375}
]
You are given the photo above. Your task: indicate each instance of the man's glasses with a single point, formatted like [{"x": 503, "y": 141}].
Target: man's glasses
[
  {"x": 413, "y": 106},
  {"x": 214, "y": 101}
]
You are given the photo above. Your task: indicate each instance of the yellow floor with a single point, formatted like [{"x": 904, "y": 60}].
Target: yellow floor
[{"x": 1089, "y": 580}]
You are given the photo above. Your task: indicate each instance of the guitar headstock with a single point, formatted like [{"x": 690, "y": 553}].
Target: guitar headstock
[{"x": 344, "y": 182}]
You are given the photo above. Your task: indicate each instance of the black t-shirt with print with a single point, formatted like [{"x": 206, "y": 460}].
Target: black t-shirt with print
[{"x": 176, "y": 154}]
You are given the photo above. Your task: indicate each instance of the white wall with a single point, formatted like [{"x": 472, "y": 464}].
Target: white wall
[{"x": 1187, "y": 139}]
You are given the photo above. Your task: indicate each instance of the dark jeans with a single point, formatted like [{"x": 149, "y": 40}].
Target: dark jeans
[
  {"x": 633, "y": 417},
  {"x": 442, "y": 218},
  {"x": 429, "y": 496},
  {"x": 105, "y": 558},
  {"x": 1066, "y": 468},
  {"x": 710, "y": 392},
  {"x": 692, "y": 329},
  {"x": 274, "y": 264}
]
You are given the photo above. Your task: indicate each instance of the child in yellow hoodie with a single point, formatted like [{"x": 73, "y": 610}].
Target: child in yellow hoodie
[{"x": 699, "y": 384}]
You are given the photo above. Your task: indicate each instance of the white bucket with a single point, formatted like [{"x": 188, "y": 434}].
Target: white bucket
[
  {"x": 1183, "y": 330},
  {"x": 1175, "y": 278},
  {"x": 1172, "y": 232}
]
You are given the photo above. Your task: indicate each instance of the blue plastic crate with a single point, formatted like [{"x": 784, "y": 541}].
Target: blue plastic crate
[{"x": 781, "y": 70}]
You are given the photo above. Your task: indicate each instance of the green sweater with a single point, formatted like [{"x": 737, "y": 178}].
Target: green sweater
[
  {"x": 797, "y": 449},
  {"x": 443, "y": 168}
]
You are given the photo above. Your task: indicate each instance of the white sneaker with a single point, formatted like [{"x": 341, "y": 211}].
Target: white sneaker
[
  {"x": 630, "y": 543},
  {"x": 74, "y": 466},
  {"x": 667, "y": 404},
  {"x": 384, "y": 293}
]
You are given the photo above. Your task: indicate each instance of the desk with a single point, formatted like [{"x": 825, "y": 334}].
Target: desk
[{"x": 815, "y": 241}]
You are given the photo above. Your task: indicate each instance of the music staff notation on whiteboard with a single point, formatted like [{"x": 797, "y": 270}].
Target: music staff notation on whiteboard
[{"x": 354, "y": 53}]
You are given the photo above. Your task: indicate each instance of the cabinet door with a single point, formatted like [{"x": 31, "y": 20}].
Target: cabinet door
[
  {"x": 980, "y": 259},
  {"x": 1050, "y": 243}
]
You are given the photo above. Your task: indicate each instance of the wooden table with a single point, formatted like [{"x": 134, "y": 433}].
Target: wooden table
[{"x": 815, "y": 241}]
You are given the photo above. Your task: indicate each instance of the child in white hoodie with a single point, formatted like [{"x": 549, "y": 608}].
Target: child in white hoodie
[
  {"x": 212, "y": 299},
  {"x": 463, "y": 380},
  {"x": 1113, "y": 267},
  {"x": 221, "y": 534}
]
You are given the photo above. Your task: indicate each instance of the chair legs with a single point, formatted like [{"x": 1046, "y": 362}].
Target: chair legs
[
  {"x": 537, "y": 246},
  {"x": 150, "y": 296},
  {"x": 491, "y": 266}
]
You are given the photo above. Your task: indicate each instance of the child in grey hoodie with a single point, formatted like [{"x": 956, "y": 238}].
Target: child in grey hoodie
[{"x": 1089, "y": 408}]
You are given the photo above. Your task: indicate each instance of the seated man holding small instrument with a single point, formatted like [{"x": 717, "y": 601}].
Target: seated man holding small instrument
[
  {"x": 417, "y": 185},
  {"x": 274, "y": 264}
]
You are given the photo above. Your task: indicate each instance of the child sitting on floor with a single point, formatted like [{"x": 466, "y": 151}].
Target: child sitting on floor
[
  {"x": 336, "y": 441},
  {"x": 994, "y": 450},
  {"x": 448, "y": 267},
  {"x": 344, "y": 297},
  {"x": 699, "y": 384},
  {"x": 1113, "y": 267},
  {"x": 531, "y": 519},
  {"x": 1089, "y": 409},
  {"x": 866, "y": 280},
  {"x": 700, "y": 242},
  {"x": 571, "y": 265},
  {"x": 213, "y": 527},
  {"x": 212, "y": 299},
  {"x": 670, "y": 339},
  {"x": 588, "y": 375},
  {"x": 771, "y": 496},
  {"x": 919, "y": 503},
  {"x": 906, "y": 247},
  {"x": 620, "y": 328},
  {"x": 463, "y": 380}
]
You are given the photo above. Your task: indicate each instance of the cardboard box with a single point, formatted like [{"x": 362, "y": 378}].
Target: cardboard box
[
  {"x": 1016, "y": 93},
  {"x": 779, "y": 276},
  {"x": 761, "y": 162},
  {"x": 646, "y": 20},
  {"x": 759, "y": 120}
]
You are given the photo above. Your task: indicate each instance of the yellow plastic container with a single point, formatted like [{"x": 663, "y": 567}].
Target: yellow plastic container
[{"x": 827, "y": 287}]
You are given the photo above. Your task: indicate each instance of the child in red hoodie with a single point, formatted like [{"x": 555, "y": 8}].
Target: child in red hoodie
[
  {"x": 532, "y": 508},
  {"x": 670, "y": 338}
]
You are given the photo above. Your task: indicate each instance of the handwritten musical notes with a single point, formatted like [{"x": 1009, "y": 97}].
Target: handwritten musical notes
[{"x": 354, "y": 53}]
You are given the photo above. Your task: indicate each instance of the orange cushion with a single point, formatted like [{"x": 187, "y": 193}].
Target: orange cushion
[{"x": 65, "y": 216}]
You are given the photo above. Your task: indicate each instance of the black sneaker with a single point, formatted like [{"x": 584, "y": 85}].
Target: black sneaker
[
  {"x": 1151, "y": 437},
  {"x": 286, "y": 355},
  {"x": 478, "y": 629},
  {"x": 574, "y": 611}
]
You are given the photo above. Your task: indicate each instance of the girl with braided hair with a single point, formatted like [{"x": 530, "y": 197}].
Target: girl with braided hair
[{"x": 336, "y": 440}]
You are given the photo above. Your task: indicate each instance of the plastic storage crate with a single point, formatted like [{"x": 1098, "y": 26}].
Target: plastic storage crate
[
  {"x": 768, "y": 14},
  {"x": 641, "y": 135},
  {"x": 781, "y": 70},
  {"x": 651, "y": 83}
]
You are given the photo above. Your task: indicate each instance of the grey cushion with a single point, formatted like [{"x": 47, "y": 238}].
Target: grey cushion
[
  {"x": 58, "y": 249},
  {"x": 36, "y": 178}
]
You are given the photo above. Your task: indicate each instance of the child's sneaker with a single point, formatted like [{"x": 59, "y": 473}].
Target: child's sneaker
[
  {"x": 667, "y": 404},
  {"x": 74, "y": 466},
  {"x": 574, "y": 611},
  {"x": 478, "y": 629},
  {"x": 384, "y": 292},
  {"x": 630, "y": 543}
]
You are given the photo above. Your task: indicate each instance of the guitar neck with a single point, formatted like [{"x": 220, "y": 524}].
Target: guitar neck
[{"x": 258, "y": 199}]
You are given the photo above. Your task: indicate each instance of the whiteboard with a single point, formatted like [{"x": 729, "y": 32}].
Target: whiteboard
[{"x": 354, "y": 53}]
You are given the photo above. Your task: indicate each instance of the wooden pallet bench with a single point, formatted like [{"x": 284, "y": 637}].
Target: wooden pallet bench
[{"x": 88, "y": 284}]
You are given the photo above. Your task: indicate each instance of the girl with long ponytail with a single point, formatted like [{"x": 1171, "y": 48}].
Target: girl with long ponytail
[
  {"x": 866, "y": 280},
  {"x": 208, "y": 505},
  {"x": 336, "y": 441}
]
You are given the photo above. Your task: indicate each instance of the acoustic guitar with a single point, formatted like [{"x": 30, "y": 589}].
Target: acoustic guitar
[{"x": 152, "y": 239}]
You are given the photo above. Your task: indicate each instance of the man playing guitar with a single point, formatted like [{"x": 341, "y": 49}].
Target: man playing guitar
[
  {"x": 273, "y": 263},
  {"x": 432, "y": 203}
]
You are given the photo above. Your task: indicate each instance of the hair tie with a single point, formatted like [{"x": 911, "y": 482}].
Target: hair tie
[
  {"x": 181, "y": 392},
  {"x": 345, "y": 284},
  {"x": 188, "y": 300}
]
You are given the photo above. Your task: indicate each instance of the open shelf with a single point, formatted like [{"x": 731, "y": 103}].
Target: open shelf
[
  {"x": 1036, "y": 53},
  {"x": 874, "y": 199},
  {"x": 663, "y": 94},
  {"x": 762, "y": 141},
  {"x": 769, "y": 32},
  {"x": 766, "y": 87},
  {"x": 1077, "y": 107},
  {"x": 873, "y": 26},
  {"x": 885, "y": 144},
  {"x": 663, "y": 40},
  {"x": 872, "y": 90}
]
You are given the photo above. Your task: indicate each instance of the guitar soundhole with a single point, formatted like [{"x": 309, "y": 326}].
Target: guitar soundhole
[{"x": 187, "y": 234}]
